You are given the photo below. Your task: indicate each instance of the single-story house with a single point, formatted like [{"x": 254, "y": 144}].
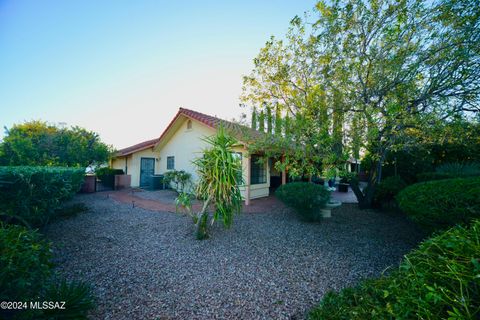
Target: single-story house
[{"x": 182, "y": 141}]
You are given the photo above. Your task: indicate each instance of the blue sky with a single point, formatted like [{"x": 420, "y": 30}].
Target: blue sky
[{"x": 122, "y": 68}]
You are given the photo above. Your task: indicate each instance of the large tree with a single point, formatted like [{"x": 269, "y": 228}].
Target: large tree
[
  {"x": 382, "y": 68},
  {"x": 37, "y": 143}
]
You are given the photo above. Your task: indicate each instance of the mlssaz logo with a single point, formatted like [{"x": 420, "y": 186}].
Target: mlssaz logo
[{"x": 47, "y": 305}]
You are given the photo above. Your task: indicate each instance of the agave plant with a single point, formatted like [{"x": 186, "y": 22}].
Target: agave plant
[{"x": 218, "y": 170}]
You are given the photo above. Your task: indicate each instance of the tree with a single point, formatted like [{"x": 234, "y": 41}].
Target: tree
[
  {"x": 37, "y": 143},
  {"x": 218, "y": 171},
  {"x": 269, "y": 119},
  {"x": 382, "y": 66},
  {"x": 254, "y": 119},
  {"x": 261, "y": 121},
  {"x": 278, "y": 121}
]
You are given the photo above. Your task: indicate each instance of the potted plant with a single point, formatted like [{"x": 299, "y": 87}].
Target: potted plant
[{"x": 345, "y": 178}]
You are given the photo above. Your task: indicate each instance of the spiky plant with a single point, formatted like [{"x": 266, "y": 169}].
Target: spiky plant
[{"x": 218, "y": 170}]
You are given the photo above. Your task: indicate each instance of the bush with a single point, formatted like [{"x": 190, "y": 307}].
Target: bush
[
  {"x": 429, "y": 176},
  {"x": 107, "y": 176},
  {"x": 387, "y": 190},
  {"x": 26, "y": 274},
  {"x": 439, "y": 280},
  {"x": 306, "y": 198},
  {"x": 457, "y": 169},
  {"x": 24, "y": 263},
  {"x": 34, "y": 193},
  {"x": 442, "y": 203}
]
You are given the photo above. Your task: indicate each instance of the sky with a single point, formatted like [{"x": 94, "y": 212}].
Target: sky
[{"x": 123, "y": 68}]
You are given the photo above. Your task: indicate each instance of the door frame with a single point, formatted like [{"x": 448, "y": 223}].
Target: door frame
[{"x": 140, "y": 177}]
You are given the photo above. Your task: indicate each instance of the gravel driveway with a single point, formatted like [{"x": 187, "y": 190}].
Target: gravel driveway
[{"x": 148, "y": 265}]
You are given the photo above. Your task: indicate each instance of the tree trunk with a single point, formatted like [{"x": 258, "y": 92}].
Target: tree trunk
[{"x": 365, "y": 197}]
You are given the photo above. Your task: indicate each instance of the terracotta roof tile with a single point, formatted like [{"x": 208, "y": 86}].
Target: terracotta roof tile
[{"x": 137, "y": 147}]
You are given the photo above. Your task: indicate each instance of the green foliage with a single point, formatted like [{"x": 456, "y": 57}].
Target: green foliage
[
  {"x": 254, "y": 119},
  {"x": 429, "y": 176},
  {"x": 37, "y": 143},
  {"x": 305, "y": 198},
  {"x": 440, "y": 204},
  {"x": 388, "y": 189},
  {"x": 34, "y": 193},
  {"x": 107, "y": 175},
  {"x": 415, "y": 64},
  {"x": 26, "y": 274},
  {"x": 180, "y": 178},
  {"x": 77, "y": 296},
  {"x": 459, "y": 170},
  {"x": 439, "y": 280},
  {"x": 218, "y": 172},
  {"x": 269, "y": 119},
  {"x": 24, "y": 263},
  {"x": 261, "y": 121}
]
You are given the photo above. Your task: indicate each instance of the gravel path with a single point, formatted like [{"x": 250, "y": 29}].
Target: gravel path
[{"x": 148, "y": 265}]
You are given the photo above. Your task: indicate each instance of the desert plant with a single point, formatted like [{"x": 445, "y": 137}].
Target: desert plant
[
  {"x": 218, "y": 183},
  {"x": 32, "y": 194},
  {"x": 305, "y": 198},
  {"x": 442, "y": 203},
  {"x": 439, "y": 280}
]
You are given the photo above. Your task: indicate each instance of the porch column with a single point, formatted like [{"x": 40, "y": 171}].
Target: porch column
[
  {"x": 247, "y": 182},
  {"x": 284, "y": 172}
]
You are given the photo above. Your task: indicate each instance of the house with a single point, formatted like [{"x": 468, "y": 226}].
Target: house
[{"x": 182, "y": 141}]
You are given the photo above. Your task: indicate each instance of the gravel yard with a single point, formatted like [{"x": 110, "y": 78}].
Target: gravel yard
[{"x": 148, "y": 265}]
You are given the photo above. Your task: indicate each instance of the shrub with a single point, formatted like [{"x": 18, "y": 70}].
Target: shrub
[
  {"x": 439, "y": 280},
  {"x": 180, "y": 178},
  {"x": 107, "y": 176},
  {"x": 429, "y": 176},
  {"x": 388, "y": 189},
  {"x": 26, "y": 275},
  {"x": 33, "y": 193},
  {"x": 442, "y": 203},
  {"x": 458, "y": 169},
  {"x": 305, "y": 198},
  {"x": 24, "y": 263}
]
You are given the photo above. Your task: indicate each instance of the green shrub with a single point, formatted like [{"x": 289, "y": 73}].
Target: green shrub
[
  {"x": 442, "y": 203},
  {"x": 26, "y": 274},
  {"x": 458, "y": 169},
  {"x": 24, "y": 263},
  {"x": 107, "y": 176},
  {"x": 34, "y": 193},
  {"x": 76, "y": 295},
  {"x": 439, "y": 280},
  {"x": 388, "y": 189},
  {"x": 305, "y": 197},
  {"x": 429, "y": 176}
]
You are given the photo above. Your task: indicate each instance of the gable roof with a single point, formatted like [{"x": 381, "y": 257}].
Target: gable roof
[
  {"x": 239, "y": 131},
  {"x": 137, "y": 147}
]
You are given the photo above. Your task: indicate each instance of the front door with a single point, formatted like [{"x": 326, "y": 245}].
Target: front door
[{"x": 147, "y": 169}]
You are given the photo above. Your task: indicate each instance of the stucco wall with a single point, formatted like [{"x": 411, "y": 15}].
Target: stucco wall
[
  {"x": 133, "y": 164},
  {"x": 187, "y": 144}
]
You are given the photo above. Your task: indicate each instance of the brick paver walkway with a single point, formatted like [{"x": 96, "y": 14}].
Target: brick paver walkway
[{"x": 267, "y": 204}]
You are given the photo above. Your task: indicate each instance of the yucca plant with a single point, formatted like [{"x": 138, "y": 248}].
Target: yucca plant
[{"x": 218, "y": 170}]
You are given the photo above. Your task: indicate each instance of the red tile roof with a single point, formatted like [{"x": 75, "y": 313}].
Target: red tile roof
[
  {"x": 236, "y": 129},
  {"x": 138, "y": 147}
]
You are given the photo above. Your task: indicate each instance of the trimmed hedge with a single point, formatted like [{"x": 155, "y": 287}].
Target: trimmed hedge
[
  {"x": 305, "y": 197},
  {"x": 443, "y": 203},
  {"x": 26, "y": 274},
  {"x": 439, "y": 280},
  {"x": 107, "y": 176},
  {"x": 34, "y": 193},
  {"x": 429, "y": 176}
]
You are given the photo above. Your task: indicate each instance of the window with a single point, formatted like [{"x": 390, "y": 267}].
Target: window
[
  {"x": 257, "y": 170},
  {"x": 239, "y": 178},
  {"x": 170, "y": 163},
  {"x": 189, "y": 124}
]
